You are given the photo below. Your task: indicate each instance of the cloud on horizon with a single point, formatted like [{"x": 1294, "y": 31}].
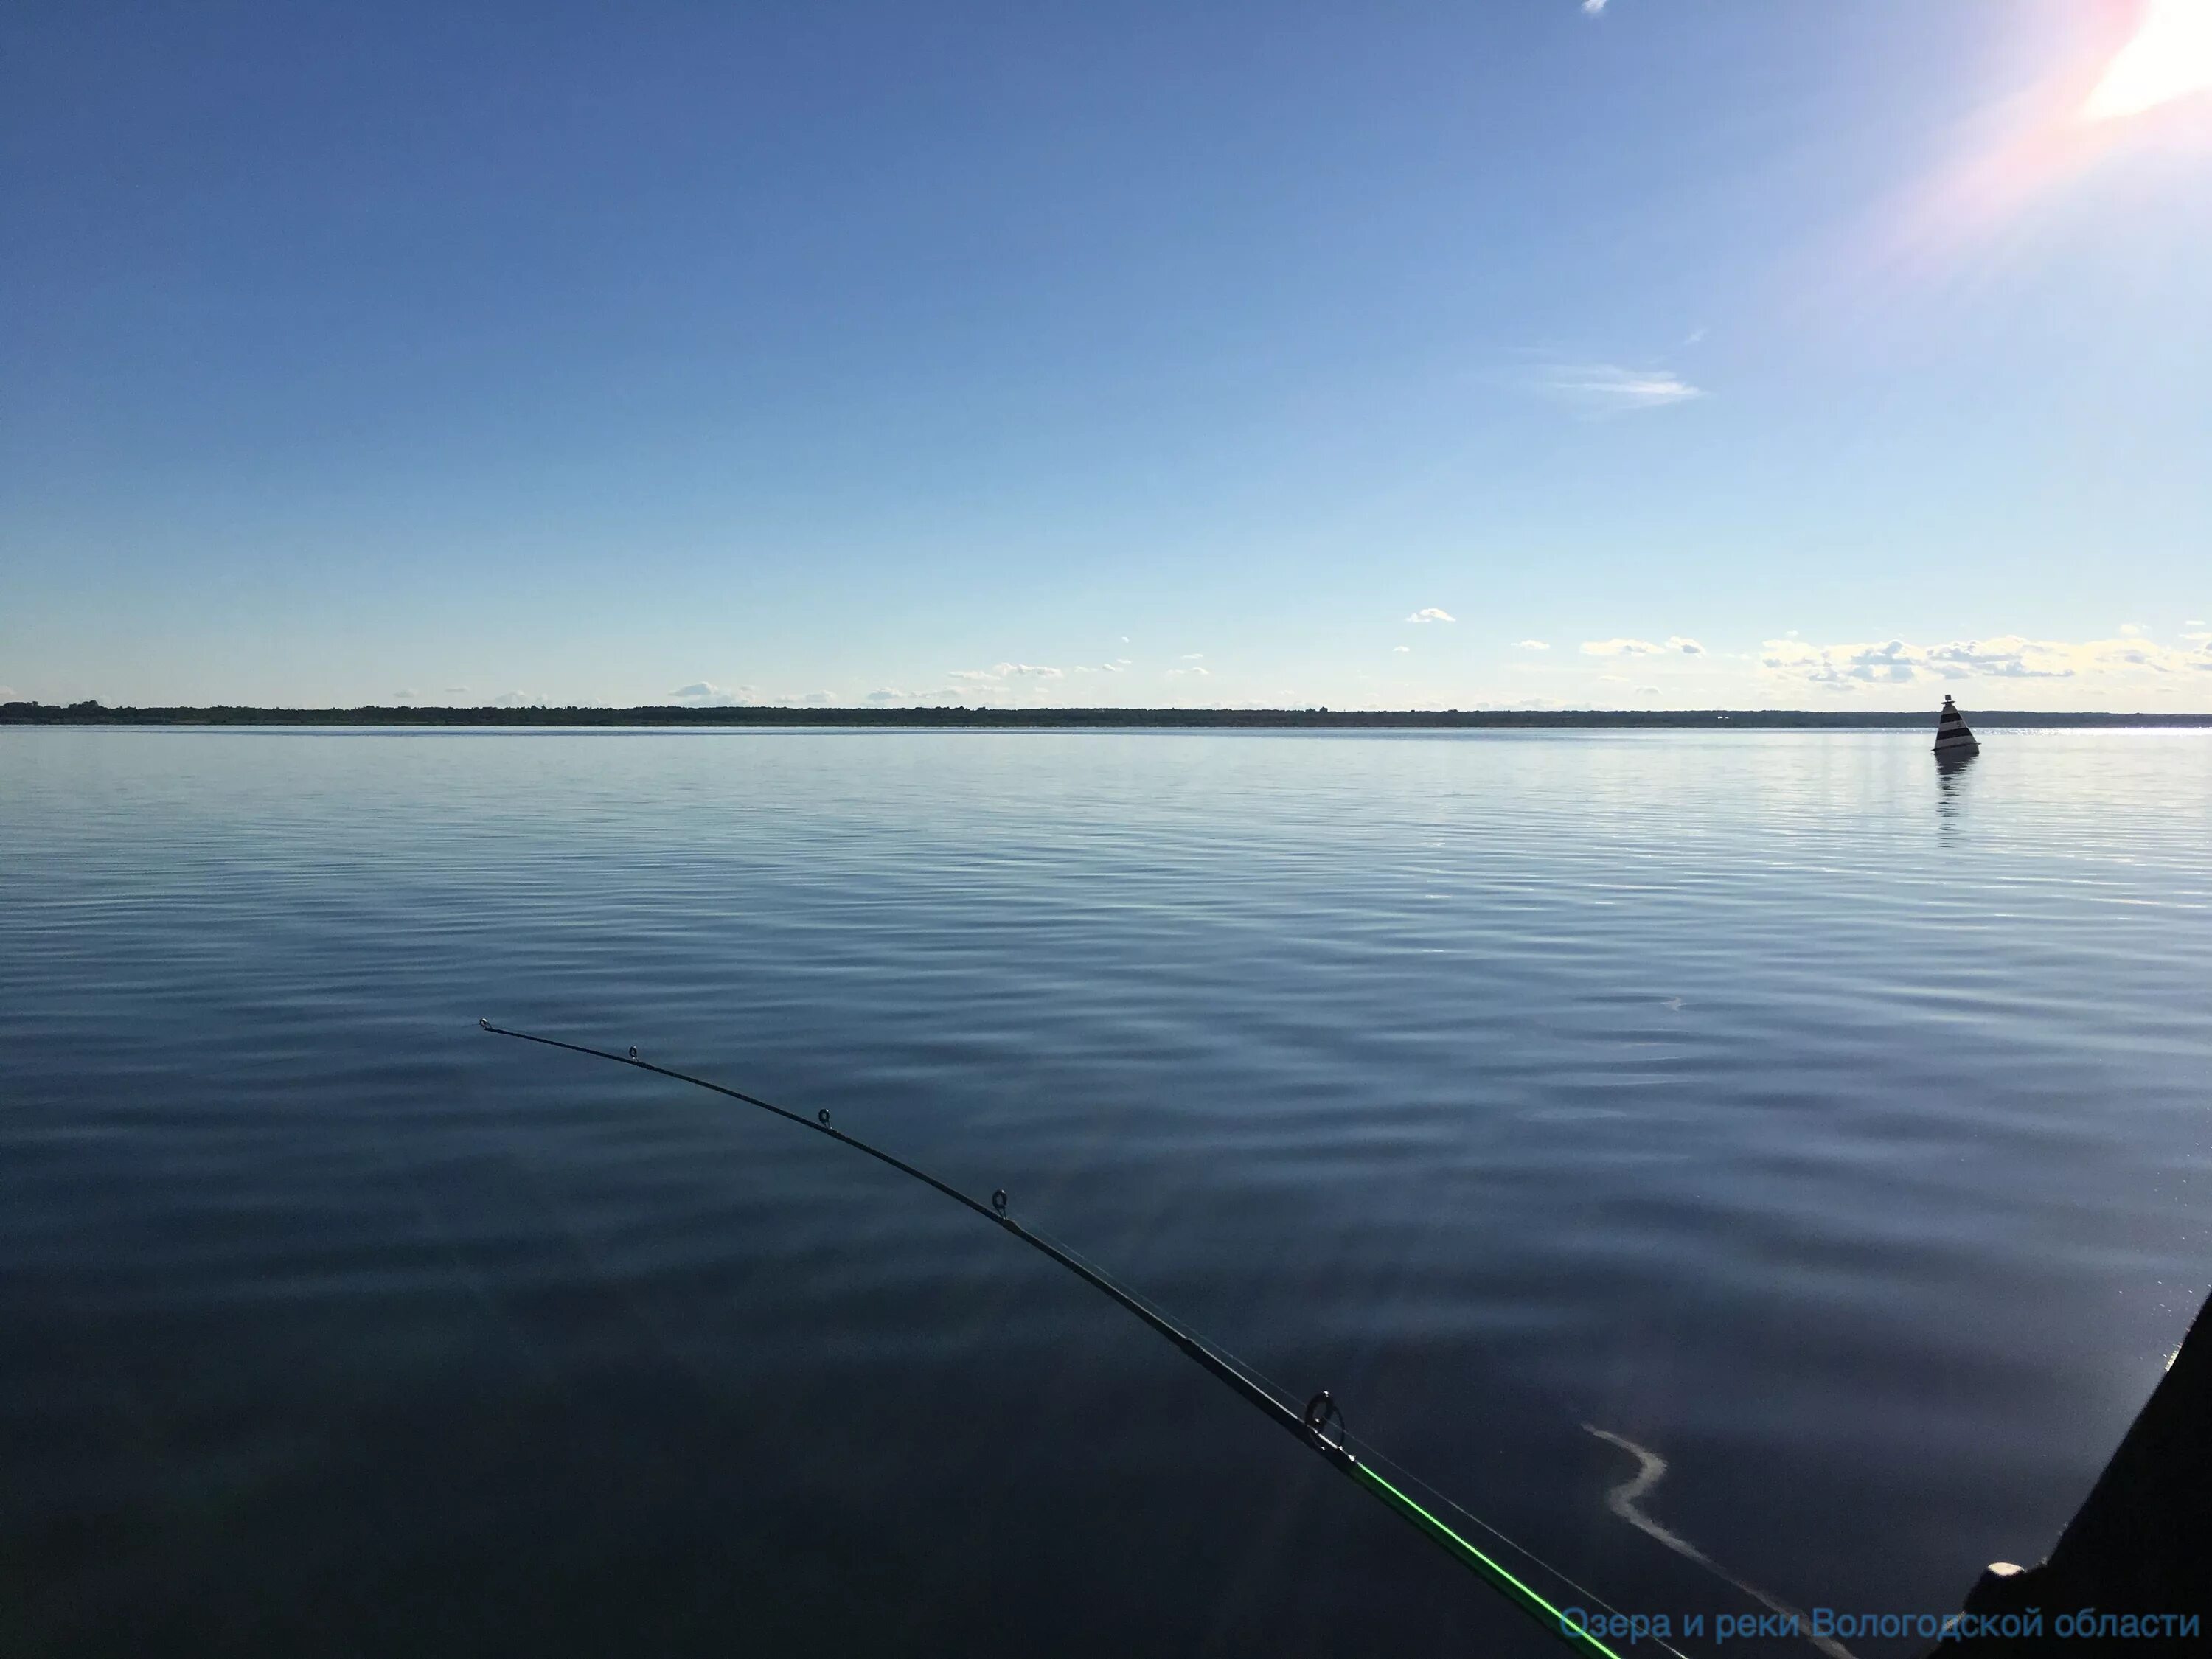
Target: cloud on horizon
[
  {"x": 705, "y": 694},
  {"x": 1853, "y": 667}
]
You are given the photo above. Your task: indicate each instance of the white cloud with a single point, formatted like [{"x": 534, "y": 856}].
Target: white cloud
[
  {"x": 1687, "y": 647},
  {"x": 1431, "y": 614},
  {"x": 1610, "y": 389},
  {"x": 2131, "y": 629},
  {"x": 514, "y": 700},
  {"x": 2007, "y": 657},
  {"x": 1178, "y": 673},
  {"x": 403, "y": 696},
  {"x": 1531, "y": 645},
  {"x": 1400, "y": 650},
  {"x": 705, "y": 694},
  {"x": 1620, "y": 648},
  {"x": 1193, "y": 656},
  {"x": 2194, "y": 621},
  {"x": 1595, "y": 8}
]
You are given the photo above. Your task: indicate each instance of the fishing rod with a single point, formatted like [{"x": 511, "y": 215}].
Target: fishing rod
[{"x": 1319, "y": 1427}]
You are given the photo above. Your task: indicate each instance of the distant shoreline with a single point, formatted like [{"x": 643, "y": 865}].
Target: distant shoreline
[{"x": 651, "y": 717}]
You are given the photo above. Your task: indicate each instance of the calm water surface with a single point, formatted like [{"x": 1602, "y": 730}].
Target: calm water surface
[{"x": 1837, "y": 1131}]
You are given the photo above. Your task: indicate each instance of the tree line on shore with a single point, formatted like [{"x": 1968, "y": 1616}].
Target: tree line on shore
[{"x": 93, "y": 713}]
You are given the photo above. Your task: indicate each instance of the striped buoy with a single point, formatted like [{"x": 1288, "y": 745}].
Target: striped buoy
[{"x": 1953, "y": 740}]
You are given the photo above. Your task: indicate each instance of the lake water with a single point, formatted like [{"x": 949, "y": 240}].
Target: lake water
[{"x": 1836, "y": 1130}]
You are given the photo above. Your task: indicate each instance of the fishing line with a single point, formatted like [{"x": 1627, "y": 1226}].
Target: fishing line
[{"x": 1319, "y": 1426}]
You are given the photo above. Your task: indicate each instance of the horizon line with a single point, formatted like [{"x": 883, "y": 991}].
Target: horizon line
[{"x": 92, "y": 711}]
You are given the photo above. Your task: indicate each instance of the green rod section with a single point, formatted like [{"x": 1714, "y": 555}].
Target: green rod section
[
  {"x": 1311, "y": 1433},
  {"x": 1465, "y": 1554}
]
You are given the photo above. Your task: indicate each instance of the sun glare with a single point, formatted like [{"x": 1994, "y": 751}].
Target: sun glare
[{"x": 2169, "y": 57}]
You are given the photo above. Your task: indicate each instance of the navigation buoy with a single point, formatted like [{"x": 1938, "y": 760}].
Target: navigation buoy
[{"x": 1953, "y": 740}]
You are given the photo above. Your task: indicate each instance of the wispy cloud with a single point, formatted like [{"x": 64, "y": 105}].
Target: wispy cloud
[
  {"x": 1675, "y": 643},
  {"x": 1400, "y": 650},
  {"x": 1000, "y": 672},
  {"x": 455, "y": 691},
  {"x": 1431, "y": 614},
  {"x": 1611, "y": 389},
  {"x": 1116, "y": 666},
  {"x": 1531, "y": 645},
  {"x": 1595, "y": 8},
  {"x": 1178, "y": 673},
  {"x": 403, "y": 695}
]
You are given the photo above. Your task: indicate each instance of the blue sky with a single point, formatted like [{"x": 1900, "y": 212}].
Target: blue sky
[{"x": 1664, "y": 353}]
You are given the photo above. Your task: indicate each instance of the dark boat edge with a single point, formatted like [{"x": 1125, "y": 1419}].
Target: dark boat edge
[{"x": 2137, "y": 1558}]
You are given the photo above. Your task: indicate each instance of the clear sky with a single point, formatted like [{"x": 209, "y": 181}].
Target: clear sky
[{"x": 1655, "y": 353}]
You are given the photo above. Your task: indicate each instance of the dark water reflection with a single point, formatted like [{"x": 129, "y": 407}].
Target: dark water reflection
[
  {"x": 1952, "y": 775},
  {"x": 1835, "y": 1129}
]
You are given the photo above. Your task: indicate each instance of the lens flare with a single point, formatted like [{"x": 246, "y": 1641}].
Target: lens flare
[{"x": 2169, "y": 57}]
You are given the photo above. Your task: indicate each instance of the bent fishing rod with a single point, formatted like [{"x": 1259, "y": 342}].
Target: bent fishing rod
[{"x": 1319, "y": 1427}]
